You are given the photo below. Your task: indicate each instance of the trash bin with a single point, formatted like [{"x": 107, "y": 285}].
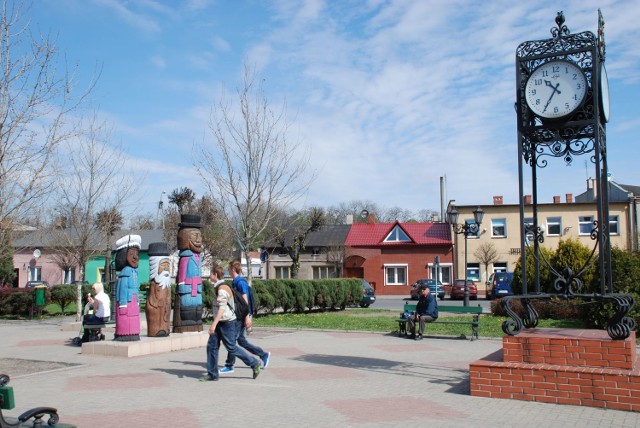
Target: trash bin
[{"x": 40, "y": 294}]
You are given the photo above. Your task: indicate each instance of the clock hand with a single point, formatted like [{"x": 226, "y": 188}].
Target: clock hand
[{"x": 555, "y": 89}]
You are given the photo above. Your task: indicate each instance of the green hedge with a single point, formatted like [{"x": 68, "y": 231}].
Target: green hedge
[
  {"x": 288, "y": 295},
  {"x": 298, "y": 295},
  {"x": 20, "y": 302}
]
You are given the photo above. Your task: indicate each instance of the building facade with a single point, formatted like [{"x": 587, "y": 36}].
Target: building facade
[
  {"x": 393, "y": 256},
  {"x": 500, "y": 232}
]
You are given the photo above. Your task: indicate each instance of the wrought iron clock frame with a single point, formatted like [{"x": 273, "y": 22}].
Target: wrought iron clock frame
[{"x": 583, "y": 132}]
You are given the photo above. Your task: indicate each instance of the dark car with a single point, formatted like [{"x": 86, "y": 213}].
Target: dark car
[
  {"x": 499, "y": 285},
  {"x": 434, "y": 287},
  {"x": 32, "y": 284},
  {"x": 457, "y": 289},
  {"x": 368, "y": 294}
]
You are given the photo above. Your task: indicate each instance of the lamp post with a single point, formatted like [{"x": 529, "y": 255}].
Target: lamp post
[{"x": 466, "y": 229}]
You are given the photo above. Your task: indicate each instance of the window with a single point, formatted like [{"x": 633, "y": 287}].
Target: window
[
  {"x": 498, "y": 227},
  {"x": 500, "y": 267},
  {"x": 35, "y": 273},
  {"x": 323, "y": 272},
  {"x": 395, "y": 274},
  {"x": 283, "y": 272},
  {"x": 101, "y": 275},
  {"x": 397, "y": 235},
  {"x": 445, "y": 273},
  {"x": 473, "y": 271},
  {"x": 68, "y": 275},
  {"x": 586, "y": 224},
  {"x": 316, "y": 251},
  {"x": 554, "y": 226},
  {"x": 613, "y": 225}
]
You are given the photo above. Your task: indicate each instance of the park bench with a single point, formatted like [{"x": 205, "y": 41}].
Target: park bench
[
  {"x": 473, "y": 321},
  {"x": 95, "y": 328},
  {"x": 37, "y": 413}
]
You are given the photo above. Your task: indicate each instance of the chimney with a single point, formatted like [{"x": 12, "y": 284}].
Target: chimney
[
  {"x": 568, "y": 198},
  {"x": 372, "y": 219},
  {"x": 556, "y": 199},
  {"x": 527, "y": 199},
  {"x": 349, "y": 218},
  {"x": 497, "y": 200}
]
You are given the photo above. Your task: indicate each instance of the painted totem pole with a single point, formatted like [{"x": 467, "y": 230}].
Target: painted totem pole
[
  {"x": 187, "y": 314},
  {"x": 158, "y": 309},
  {"x": 127, "y": 288}
]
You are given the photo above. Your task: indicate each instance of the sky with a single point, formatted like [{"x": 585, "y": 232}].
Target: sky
[{"x": 389, "y": 95}]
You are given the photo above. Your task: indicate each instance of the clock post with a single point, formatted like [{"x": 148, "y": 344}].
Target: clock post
[{"x": 562, "y": 108}]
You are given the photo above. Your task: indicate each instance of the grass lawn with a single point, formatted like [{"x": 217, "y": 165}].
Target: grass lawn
[
  {"x": 376, "y": 320},
  {"x": 379, "y": 320}
]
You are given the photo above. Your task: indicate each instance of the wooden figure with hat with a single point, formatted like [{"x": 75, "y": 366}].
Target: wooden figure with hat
[
  {"x": 158, "y": 308},
  {"x": 127, "y": 288},
  {"x": 187, "y": 314}
]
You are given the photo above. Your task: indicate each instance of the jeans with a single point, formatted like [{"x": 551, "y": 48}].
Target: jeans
[
  {"x": 411, "y": 322},
  {"x": 243, "y": 342},
  {"x": 92, "y": 319},
  {"x": 226, "y": 332}
]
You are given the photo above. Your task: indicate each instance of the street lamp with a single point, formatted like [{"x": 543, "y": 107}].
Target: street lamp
[{"x": 467, "y": 229}]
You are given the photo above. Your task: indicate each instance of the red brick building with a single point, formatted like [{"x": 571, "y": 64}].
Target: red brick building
[{"x": 392, "y": 256}]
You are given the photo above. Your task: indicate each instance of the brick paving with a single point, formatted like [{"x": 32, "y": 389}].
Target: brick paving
[{"x": 314, "y": 379}]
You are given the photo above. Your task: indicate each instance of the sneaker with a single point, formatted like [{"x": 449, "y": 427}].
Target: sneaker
[
  {"x": 208, "y": 378},
  {"x": 265, "y": 360},
  {"x": 226, "y": 370},
  {"x": 256, "y": 371}
]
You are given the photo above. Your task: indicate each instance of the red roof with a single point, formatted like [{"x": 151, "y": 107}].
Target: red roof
[{"x": 374, "y": 234}]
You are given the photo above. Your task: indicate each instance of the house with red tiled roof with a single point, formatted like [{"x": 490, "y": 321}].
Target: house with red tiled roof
[{"x": 393, "y": 256}]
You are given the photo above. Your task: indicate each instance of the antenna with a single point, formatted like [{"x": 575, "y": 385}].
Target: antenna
[
  {"x": 586, "y": 169},
  {"x": 160, "y": 212}
]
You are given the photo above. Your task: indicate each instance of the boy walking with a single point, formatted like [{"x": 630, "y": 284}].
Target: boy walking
[
  {"x": 241, "y": 285},
  {"x": 224, "y": 329}
]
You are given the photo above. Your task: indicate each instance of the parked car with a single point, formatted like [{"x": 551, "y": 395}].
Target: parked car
[
  {"x": 457, "y": 289},
  {"x": 499, "y": 285},
  {"x": 32, "y": 284},
  {"x": 434, "y": 287},
  {"x": 368, "y": 294}
]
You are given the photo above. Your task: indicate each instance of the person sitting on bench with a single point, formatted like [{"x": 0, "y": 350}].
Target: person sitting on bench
[
  {"x": 101, "y": 306},
  {"x": 101, "y": 314},
  {"x": 426, "y": 311}
]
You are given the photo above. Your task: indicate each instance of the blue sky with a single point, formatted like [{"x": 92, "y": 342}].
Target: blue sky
[{"x": 389, "y": 95}]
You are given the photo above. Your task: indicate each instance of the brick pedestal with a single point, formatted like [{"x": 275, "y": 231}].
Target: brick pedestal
[{"x": 563, "y": 366}]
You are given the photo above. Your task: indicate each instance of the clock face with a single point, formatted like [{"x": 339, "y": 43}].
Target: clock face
[
  {"x": 555, "y": 89},
  {"x": 604, "y": 94}
]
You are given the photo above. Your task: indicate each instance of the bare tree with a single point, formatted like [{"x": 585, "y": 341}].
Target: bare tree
[
  {"x": 425, "y": 215},
  {"x": 182, "y": 198},
  {"x": 486, "y": 253},
  {"x": 359, "y": 210},
  {"x": 108, "y": 221},
  {"x": 292, "y": 237},
  {"x": 395, "y": 213},
  {"x": 251, "y": 169},
  {"x": 37, "y": 95},
  {"x": 217, "y": 236},
  {"x": 97, "y": 180},
  {"x": 143, "y": 222},
  {"x": 336, "y": 256}
]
